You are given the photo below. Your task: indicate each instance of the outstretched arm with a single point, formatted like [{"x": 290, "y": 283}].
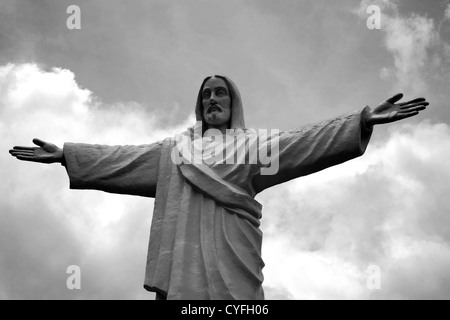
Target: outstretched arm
[
  {"x": 331, "y": 142},
  {"x": 123, "y": 169},
  {"x": 388, "y": 111},
  {"x": 315, "y": 147},
  {"x": 117, "y": 169},
  {"x": 46, "y": 152}
]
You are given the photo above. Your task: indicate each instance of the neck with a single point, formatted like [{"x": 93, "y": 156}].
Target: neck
[{"x": 210, "y": 132}]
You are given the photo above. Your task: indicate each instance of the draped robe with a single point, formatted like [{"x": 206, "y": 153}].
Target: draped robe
[{"x": 205, "y": 240}]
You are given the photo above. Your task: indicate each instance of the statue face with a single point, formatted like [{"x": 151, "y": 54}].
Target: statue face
[{"x": 216, "y": 103}]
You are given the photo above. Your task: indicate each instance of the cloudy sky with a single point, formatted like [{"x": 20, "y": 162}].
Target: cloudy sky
[{"x": 130, "y": 75}]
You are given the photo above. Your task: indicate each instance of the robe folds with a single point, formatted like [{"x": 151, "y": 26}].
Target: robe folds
[{"x": 205, "y": 240}]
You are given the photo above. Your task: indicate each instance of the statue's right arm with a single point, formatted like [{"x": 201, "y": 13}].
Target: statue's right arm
[
  {"x": 45, "y": 152},
  {"x": 123, "y": 169},
  {"x": 117, "y": 169}
]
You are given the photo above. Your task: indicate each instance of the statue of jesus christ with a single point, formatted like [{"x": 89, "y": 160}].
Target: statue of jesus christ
[{"x": 205, "y": 240}]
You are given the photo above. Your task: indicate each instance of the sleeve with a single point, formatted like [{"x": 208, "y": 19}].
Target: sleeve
[
  {"x": 314, "y": 148},
  {"x": 127, "y": 169}
]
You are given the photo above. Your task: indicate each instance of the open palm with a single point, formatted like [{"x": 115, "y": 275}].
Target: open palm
[
  {"x": 45, "y": 153},
  {"x": 388, "y": 111}
]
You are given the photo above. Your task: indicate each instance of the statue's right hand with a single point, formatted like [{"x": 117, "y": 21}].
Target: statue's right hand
[{"x": 45, "y": 153}]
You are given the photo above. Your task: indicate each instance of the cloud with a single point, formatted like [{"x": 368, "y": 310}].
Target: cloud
[
  {"x": 415, "y": 43},
  {"x": 388, "y": 208},
  {"x": 309, "y": 60},
  {"x": 409, "y": 40},
  {"x": 385, "y": 6},
  {"x": 44, "y": 226}
]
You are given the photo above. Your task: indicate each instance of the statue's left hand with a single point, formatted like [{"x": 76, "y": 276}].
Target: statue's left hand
[{"x": 388, "y": 111}]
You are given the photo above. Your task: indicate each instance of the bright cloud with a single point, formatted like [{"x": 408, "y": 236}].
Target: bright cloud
[
  {"x": 42, "y": 221},
  {"x": 415, "y": 44},
  {"x": 388, "y": 208},
  {"x": 409, "y": 40}
]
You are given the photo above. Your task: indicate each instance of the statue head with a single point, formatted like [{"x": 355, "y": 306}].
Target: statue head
[
  {"x": 216, "y": 103},
  {"x": 219, "y": 104}
]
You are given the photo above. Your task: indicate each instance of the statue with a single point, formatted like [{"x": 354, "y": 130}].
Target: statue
[{"x": 205, "y": 241}]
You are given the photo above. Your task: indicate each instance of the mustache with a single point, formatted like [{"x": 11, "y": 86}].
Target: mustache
[{"x": 217, "y": 106}]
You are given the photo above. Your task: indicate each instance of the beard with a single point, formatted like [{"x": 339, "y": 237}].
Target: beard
[{"x": 216, "y": 118}]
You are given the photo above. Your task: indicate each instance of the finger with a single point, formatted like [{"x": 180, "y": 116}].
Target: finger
[
  {"x": 27, "y": 158},
  {"x": 404, "y": 115},
  {"x": 414, "y": 105},
  {"x": 418, "y": 108},
  {"x": 413, "y": 101},
  {"x": 395, "y": 98},
  {"x": 39, "y": 142},
  {"x": 21, "y": 152},
  {"x": 18, "y": 152},
  {"x": 23, "y": 148}
]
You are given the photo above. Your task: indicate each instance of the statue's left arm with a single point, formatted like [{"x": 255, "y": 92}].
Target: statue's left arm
[{"x": 314, "y": 148}]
